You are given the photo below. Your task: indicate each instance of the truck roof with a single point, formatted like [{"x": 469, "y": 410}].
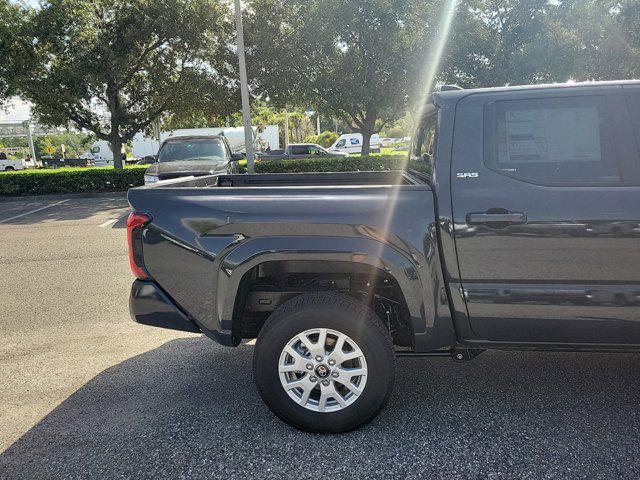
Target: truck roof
[
  {"x": 193, "y": 137},
  {"x": 449, "y": 95}
]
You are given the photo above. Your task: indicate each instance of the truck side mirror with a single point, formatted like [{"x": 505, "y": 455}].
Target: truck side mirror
[{"x": 236, "y": 157}]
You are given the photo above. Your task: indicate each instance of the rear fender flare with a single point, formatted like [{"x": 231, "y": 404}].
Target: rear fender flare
[{"x": 365, "y": 251}]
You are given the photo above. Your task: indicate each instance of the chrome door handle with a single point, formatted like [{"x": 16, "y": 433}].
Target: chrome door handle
[{"x": 512, "y": 218}]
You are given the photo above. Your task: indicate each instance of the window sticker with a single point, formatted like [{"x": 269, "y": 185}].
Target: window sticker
[{"x": 551, "y": 135}]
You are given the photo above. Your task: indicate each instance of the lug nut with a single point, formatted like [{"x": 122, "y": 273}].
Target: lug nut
[
  {"x": 459, "y": 356},
  {"x": 313, "y": 379},
  {"x": 335, "y": 374},
  {"x": 318, "y": 358},
  {"x": 309, "y": 366},
  {"x": 325, "y": 383},
  {"x": 332, "y": 362}
]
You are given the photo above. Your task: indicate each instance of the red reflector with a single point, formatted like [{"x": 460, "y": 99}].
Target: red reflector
[{"x": 135, "y": 223}]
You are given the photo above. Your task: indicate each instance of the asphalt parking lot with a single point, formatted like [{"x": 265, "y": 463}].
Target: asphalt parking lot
[{"x": 87, "y": 393}]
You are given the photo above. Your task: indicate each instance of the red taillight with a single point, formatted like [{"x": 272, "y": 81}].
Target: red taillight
[{"x": 135, "y": 224}]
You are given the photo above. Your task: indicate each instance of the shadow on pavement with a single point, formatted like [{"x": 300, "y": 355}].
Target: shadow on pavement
[
  {"x": 189, "y": 409},
  {"x": 74, "y": 208}
]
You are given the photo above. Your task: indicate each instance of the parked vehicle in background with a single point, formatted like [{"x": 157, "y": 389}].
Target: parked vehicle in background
[
  {"x": 59, "y": 162},
  {"x": 516, "y": 227},
  {"x": 267, "y": 136},
  {"x": 352, "y": 143},
  {"x": 148, "y": 160},
  {"x": 193, "y": 156},
  {"x": 101, "y": 153},
  {"x": 299, "y": 150},
  {"x": 7, "y": 165},
  {"x": 143, "y": 147}
]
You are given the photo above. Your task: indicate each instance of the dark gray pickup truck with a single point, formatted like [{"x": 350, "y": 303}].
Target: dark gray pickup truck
[
  {"x": 524, "y": 233},
  {"x": 300, "y": 150}
]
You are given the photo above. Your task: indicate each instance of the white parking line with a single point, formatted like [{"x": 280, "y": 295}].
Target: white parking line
[
  {"x": 108, "y": 223},
  {"x": 34, "y": 211}
]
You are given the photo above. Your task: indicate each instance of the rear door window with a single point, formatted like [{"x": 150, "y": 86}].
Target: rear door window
[{"x": 553, "y": 141}]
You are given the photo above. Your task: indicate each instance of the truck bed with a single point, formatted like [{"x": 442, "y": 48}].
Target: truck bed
[
  {"x": 394, "y": 177},
  {"x": 200, "y": 238}
]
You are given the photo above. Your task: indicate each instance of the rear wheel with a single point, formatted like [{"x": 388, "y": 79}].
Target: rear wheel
[
  {"x": 9, "y": 169},
  {"x": 324, "y": 363}
]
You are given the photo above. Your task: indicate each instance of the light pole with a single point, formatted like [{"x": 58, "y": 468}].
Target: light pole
[
  {"x": 32, "y": 151},
  {"x": 244, "y": 89}
]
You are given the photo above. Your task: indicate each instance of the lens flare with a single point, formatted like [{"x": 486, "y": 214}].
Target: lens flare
[
  {"x": 430, "y": 72},
  {"x": 434, "y": 59}
]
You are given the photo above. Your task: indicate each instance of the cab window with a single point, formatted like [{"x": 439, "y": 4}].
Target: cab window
[
  {"x": 424, "y": 144},
  {"x": 426, "y": 141}
]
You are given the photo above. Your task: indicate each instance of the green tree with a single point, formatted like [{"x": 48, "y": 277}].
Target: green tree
[
  {"x": 11, "y": 17},
  {"x": 400, "y": 129},
  {"x": 355, "y": 60},
  {"x": 45, "y": 147},
  {"x": 501, "y": 42},
  {"x": 325, "y": 139},
  {"x": 75, "y": 144},
  {"x": 510, "y": 42},
  {"x": 606, "y": 38},
  {"x": 114, "y": 66}
]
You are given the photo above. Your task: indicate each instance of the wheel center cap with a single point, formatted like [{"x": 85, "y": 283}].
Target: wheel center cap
[{"x": 322, "y": 371}]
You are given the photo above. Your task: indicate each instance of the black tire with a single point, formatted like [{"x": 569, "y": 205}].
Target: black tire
[
  {"x": 9, "y": 169},
  {"x": 343, "y": 314}
]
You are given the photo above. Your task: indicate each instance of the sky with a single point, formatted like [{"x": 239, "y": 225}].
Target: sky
[{"x": 16, "y": 111}]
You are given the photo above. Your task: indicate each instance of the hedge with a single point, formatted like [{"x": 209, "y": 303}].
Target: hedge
[
  {"x": 70, "y": 180},
  {"x": 339, "y": 164},
  {"x": 107, "y": 179}
]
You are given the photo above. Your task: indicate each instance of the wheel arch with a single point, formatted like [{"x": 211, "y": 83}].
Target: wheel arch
[{"x": 360, "y": 253}]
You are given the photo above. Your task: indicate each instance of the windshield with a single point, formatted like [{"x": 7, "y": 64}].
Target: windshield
[{"x": 184, "y": 150}]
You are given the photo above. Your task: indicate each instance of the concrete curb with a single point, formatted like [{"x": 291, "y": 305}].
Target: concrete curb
[{"x": 63, "y": 196}]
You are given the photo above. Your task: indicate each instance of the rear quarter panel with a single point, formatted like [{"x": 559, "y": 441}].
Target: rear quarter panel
[{"x": 202, "y": 240}]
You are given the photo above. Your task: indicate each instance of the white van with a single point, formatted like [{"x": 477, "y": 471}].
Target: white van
[
  {"x": 352, "y": 143},
  {"x": 101, "y": 153}
]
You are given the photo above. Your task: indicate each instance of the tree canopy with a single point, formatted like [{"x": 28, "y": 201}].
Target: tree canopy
[
  {"x": 353, "y": 60},
  {"x": 365, "y": 61},
  {"x": 11, "y": 17},
  {"x": 502, "y": 42},
  {"x": 114, "y": 66}
]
